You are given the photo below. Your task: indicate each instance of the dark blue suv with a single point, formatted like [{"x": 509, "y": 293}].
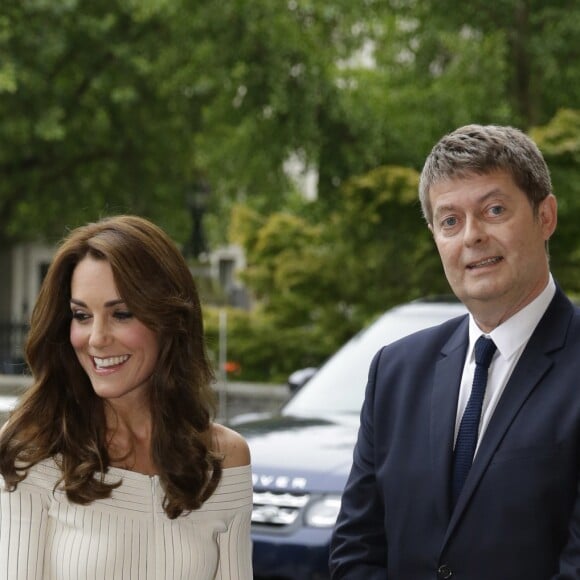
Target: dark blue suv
[{"x": 302, "y": 455}]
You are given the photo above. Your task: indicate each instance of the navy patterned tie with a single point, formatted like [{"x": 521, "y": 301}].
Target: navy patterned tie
[{"x": 469, "y": 427}]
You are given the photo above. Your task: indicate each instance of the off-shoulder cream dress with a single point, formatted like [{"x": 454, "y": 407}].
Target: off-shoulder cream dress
[{"x": 127, "y": 537}]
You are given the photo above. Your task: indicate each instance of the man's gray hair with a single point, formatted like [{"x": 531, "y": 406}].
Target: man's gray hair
[{"x": 482, "y": 149}]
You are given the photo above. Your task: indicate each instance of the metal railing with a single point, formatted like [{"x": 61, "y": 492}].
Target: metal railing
[{"x": 12, "y": 337}]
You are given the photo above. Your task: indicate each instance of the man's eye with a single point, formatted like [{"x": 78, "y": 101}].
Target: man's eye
[
  {"x": 496, "y": 210},
  {"x": 449, "y": 222}
]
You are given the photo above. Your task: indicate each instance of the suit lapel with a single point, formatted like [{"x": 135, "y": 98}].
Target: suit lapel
[
  {"x": 446, "y": 382},
  {"x": 533, "y": 365}
]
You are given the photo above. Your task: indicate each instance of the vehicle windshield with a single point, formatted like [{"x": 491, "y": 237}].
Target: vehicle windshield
[{"x": 338, "y": 386}]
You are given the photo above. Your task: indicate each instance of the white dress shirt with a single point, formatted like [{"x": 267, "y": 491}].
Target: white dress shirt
[{"x": 510, "y": 337}]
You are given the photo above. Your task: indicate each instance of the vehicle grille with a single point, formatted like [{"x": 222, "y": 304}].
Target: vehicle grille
[{"x": 277, "y": 509}]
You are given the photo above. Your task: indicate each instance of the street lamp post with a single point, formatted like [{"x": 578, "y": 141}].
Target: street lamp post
[{"x": 196, "y": 199}]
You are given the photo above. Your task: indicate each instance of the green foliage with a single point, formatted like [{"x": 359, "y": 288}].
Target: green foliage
[
  {"x": 382, "y": 248},
  {"x": 319, "y": 283},
  {"x": 298, "y": 320},
  {"x": 432, "y": 78},
  {"x": 91, "y": 124},
  {"x": 278, "y": 69},
  {"x": 536, "y": 45},
  {"x": 559, "y": 141},
  {"x": 116, "y": 106},
  {"x": 264, "y": 349},
  {"x": 560, "y": 138}
]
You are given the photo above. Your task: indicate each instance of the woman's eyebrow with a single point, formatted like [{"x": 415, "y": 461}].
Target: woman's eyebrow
[{"x": 108, "y": 304}]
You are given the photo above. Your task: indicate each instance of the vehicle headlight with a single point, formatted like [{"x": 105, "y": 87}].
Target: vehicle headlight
[{"x": 322, "y": 513}]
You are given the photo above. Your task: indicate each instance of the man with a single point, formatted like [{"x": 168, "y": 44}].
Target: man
[{"x": 479, "y": 482}]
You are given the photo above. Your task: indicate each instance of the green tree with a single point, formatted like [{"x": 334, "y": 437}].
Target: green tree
[
  {"x": 277, "y": 74},
  {"x": 316, "y": 284},
  {"x": 92, "y": 123},
  {"x": 331, "y": 82},
  {"x": 119, "y": 105},
  {"x": 383, "y": 253},
  {"x": 534, "y": 43},
  {"x": 559, "y": 141},
  {"x": 287, "y": 271}
]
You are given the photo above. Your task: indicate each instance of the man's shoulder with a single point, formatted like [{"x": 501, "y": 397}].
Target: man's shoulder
[
  {"x": 564, "y": 307},
  {"x": 438, "y": 333},
  {"x": 429, "y": 342}
]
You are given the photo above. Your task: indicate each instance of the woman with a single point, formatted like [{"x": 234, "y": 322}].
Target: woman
[{"x": 112, "y": 466}]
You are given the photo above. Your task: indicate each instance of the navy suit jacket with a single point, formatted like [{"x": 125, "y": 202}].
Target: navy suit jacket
[{"x": 518, "y": 515}]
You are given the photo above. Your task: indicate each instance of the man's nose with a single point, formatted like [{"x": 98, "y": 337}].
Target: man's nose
[{"x": 474, "y": 231}]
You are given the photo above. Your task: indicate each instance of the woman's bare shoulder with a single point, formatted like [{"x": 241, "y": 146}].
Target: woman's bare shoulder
[{"x": 232, "y": 445}]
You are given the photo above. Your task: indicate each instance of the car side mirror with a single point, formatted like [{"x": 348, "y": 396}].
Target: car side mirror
[{"x": 299, "y": 378}]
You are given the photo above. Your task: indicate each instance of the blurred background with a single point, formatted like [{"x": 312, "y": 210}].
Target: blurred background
[{"x": 277, "y": 142}]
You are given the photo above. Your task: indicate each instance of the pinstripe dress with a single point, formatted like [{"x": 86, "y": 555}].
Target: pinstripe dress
[{"x": 126, "y": 537}]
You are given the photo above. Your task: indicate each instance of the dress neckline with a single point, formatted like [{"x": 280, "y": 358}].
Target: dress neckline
[{"x": 137, "y": 475}]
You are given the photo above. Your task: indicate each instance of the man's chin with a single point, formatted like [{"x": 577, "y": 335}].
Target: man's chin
[{"x": 482, "y": 292}]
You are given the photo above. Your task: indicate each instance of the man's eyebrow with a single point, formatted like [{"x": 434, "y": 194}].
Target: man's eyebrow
[
  {"x": 108, "y": 304},
  {"x": 450, "y": 207},
  {"x": 492, "y": 192},
  {"x": 443, "y": 208}
]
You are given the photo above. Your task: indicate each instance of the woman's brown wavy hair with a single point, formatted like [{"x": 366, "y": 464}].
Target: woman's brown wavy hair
[{"x": 60, "y": 415}]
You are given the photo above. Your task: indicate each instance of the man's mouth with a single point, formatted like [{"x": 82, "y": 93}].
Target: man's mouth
[
  {"x": 112, "y": 361},
  {"x": 483, "y": 263}
]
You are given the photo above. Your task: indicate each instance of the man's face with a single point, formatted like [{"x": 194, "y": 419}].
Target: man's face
[{"x": 491, "y": 244}]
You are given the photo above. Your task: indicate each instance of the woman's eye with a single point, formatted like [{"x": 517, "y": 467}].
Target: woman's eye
[
  {"x": 496, "y": 210},
  {"x": 80, "y": 316},
  {"x": 123, "y": 315}
]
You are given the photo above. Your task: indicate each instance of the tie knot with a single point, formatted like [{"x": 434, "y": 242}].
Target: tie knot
[{"x": 484, "y": 350}]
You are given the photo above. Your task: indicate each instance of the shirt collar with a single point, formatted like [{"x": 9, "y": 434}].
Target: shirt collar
[{"x": 514, "y": 333}]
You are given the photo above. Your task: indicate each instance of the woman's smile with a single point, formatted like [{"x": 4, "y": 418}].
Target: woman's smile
[{"x": 116, "y": 350}]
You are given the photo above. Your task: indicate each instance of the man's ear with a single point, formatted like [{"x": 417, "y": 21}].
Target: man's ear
[{"x": 548, "y": 215}]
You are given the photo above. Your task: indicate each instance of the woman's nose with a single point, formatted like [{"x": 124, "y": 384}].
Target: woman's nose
[{"x": 100, "y": 335}]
